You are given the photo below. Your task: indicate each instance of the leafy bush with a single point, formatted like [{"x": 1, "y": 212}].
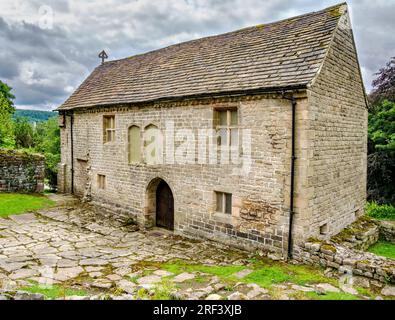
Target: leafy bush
[
  {"x": 47, "y": 142},
  {"x": 381, "y": 158},
  {"x": 381, "y": 212},
  {"x": 382, "y": 127},
  {"x": 6, "y": 125},
  {"x": 381, "y": 170},
  {"x": 23, "y": 132}
]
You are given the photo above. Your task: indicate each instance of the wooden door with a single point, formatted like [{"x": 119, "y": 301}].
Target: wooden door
[{"x": 164, "y": 206}]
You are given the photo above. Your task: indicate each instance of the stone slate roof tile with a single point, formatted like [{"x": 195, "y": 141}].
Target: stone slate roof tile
[{"x": 277, "y": 55}]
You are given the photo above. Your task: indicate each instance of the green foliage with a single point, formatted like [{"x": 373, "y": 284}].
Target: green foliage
[
  {"x": 381, "y": 157},
  {"x": 380, "y": 212},
  {"x": 331, "y": 296},
  {"x": 34, "y": 115},
  {"x": 382, "y": 127},
  {"x": 47, "y": 142},
  {"x": 43, "y": 138},
  {"x": 164, "y": 290},
  {"x": 178, "y": 267},
  {"x": 6, "y": 111},
  {"x": 54, "y": 291},
  {"x": 15, "y": 203},
  {"x": 381, "y": 160},
  {"x": 266, "y": 275},
  {"x": 5, "y": 91},
  {"x": 20, "y": 133},
  {"x": 6, "y": 130},
  {"x": 381, "y": 172},
  {"x": 385, "y": 249},
  {"x": 23, "y": 133}
]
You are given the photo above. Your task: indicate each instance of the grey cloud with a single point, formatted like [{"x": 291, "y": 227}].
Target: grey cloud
[{"x": 42, "y": 65}]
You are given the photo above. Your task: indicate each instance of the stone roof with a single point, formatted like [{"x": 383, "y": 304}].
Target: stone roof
[{"x": 278, "y": 55}]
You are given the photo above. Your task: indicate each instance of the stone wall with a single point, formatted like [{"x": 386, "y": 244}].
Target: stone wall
[
  {"x": 260, "y": 207},
  {"x": 360, "y": 235},
  {"x": 335, "y": 164},
  {"x": 346, "y": 252},
  {"x": 347, "y": 261},
  {"x": 387, "y": 230},
  {"x": 21, "y": 172}
]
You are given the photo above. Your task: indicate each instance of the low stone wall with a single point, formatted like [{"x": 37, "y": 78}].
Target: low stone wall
[
  {"x": 387, "y": 231},
  {"x": 345, "y": 252},
  {"x": 361, "y": 235},
  {"x": 21, "y": 172},
  {"x": 347, "y": 261}
]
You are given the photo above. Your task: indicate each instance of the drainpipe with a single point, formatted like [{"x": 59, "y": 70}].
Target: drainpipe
[
  {"x": 72, "y": 151},
  {"x": 292, "y": 190}
]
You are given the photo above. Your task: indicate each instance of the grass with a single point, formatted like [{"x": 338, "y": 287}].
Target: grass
[
  {"x": 385, "y": 249},
  {"x": 16, "y": 203},
  {"x": 265, "y": 273},
  {"x": 164, "y": 290},
  {"x": 222, "y": 272},
  {"x": 380, "y": 212},
  {"x": 53, "y": 292},
  {"x": 331, "y": 296}
]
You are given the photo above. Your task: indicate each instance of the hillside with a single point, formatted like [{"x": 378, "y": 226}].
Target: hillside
[{"x": 34, "y": 115}]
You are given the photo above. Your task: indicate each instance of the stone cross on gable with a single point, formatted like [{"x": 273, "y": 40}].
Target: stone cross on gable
[{"x": 103, "y": 55}]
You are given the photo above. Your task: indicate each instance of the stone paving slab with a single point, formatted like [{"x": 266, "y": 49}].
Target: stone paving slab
[{"x": 72, "y": 245}]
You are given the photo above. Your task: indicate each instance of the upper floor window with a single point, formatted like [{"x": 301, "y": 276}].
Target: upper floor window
[
  {"x": 108, "y": 129},
  {"x": 226, "y": 123},
  {"x": 134, "y": 144},
  {"x": 153, "y": 145}
]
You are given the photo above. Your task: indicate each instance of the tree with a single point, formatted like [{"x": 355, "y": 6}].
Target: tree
[
  {"x": 384, "y": 85},
  {"x": 23, "y": 133},
  {"x": 47, "y": 142},
  {"x": 6, "y": 111},
  {"x": 382, "y": 127},
  {"x": 381, "y": 157},
  {"x": 6, "y": 92}
]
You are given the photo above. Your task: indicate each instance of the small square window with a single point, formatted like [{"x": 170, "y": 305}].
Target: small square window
[
  {"x": 108, "y": 129},
  {"x": 224, "y": 202},
  {"x": 101, "y": 181},
  {"x": 324, "y": 230}
]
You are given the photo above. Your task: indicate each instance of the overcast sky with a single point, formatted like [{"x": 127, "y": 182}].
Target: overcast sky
[{"x": 47, "y": 48}]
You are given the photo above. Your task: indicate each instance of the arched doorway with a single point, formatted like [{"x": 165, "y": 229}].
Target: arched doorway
[
  {"x": 159, "y": 205},
  {"x": 164, "y": 206}
]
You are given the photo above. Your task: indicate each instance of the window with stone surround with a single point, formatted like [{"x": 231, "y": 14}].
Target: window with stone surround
[
  {"x": 101, "y": 181},
  {"x": 153, "y": 145},
  {"x": 108, "y": 129},
  {"x": 226, "y": 123},
  {"x": 224, "y": 202},
  {"x": 134, "y": 144}
]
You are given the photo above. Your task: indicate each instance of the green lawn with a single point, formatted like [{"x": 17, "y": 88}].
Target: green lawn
[
  {"x": 385, "y": 249},
  {"x": 16, "y": 203},
  {"x": 53, "y": 292},
  {"x": 264, "y": 272}
]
